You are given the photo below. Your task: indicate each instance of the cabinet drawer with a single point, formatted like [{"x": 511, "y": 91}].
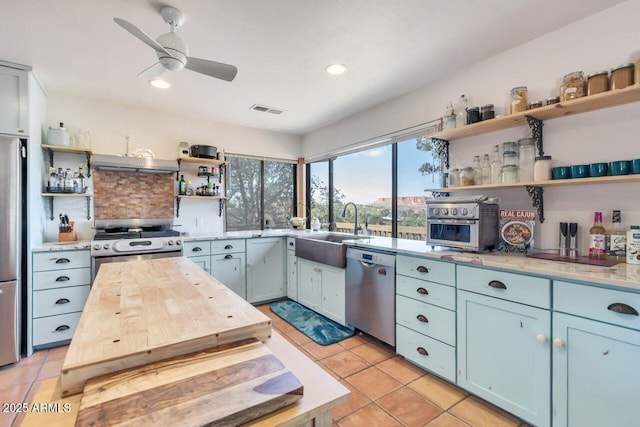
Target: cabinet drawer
[
  {"x": 59, "y": 301},
  {"x": 61, "y": 278},
  {"x": 528, "y": 290},
  {"x": 427, "y": 269},
  {"x": 597, "y": 303},
  {"x": 427, "y": 319},
  {"x": 227, "y": 246},
  {"x": 60, "y": 260},
  {"x": 54, "y": 328},
  {"x": 291, "y": 243},
  {"x": 433, "y": 293},
  {"x": 426, "y": 352},
  {"x": 199, "y": 248}
]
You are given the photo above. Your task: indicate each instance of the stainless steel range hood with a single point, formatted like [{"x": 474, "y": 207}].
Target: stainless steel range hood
[{"x": 133, "y": 164}]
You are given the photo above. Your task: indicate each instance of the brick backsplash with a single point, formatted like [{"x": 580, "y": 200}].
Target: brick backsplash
[{"x": 125, "y": 195}]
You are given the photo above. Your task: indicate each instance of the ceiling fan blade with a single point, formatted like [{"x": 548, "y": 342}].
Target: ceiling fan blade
[
  {"x": 152, "y": 72},
  {"x": 211, "y": 68},
  {"x": 138, "y": 33}
]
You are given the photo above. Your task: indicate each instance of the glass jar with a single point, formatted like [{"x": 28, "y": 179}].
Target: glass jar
[
  {"x": 487, "y": 112},
  {"x": 510, "y": 158},
  {"x": 553, "y": 100},
  {"x": 526, "y": 158},
  {"x": 536, "y": 104},
  {"x": 598, "y": 82},
  {"x": 509, "y": 174},
  {"x": 454, "y": 177},
  {"x": 542, "y": 169},
  {"x": 519, "y": 100},
  {"x": 466, "y": 176},
  {"x": 622, "y": 76},
  {"x": 636, "y": 72},
  {"x": 473, "y": 115},
  {"x": 510, "y": 146},
  {"x": 574, "y": 85},
  {"x": 449, "y": 122}
]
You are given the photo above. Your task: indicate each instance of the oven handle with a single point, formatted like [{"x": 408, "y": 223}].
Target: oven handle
[{"x": 451, "y": 221}]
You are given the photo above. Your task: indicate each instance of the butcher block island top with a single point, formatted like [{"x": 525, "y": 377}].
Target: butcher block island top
[
  {"x": 162, "y": 342},
  {"x": 147, "y": 311}
]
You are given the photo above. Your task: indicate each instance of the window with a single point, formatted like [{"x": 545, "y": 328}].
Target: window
[
  {"x": 364, "y": 178},
  {"x": 417, "y": 169},
  {"x": 318, "y": 185},
  {"x": 261, "y": 193}
]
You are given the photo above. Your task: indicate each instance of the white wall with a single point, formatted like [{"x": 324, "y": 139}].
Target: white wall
[
  {"x": 599, "y": 42},
  {"x": 160, "y": 132}
]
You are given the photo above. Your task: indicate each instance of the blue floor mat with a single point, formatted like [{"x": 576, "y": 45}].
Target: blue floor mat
[{"x": 317, "y": 327}]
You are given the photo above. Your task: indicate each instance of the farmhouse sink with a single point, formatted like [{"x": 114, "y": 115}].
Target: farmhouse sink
[{"x": 325, "y": 248}]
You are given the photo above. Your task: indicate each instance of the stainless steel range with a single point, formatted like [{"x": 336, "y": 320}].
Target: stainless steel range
[{"x": 133, "y": 240}]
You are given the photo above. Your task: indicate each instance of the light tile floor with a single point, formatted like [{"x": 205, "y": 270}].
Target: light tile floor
[{"x": 385, "y": 389}]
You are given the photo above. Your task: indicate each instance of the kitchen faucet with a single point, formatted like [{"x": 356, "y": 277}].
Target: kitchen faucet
[{"x": 355, "y": 224}]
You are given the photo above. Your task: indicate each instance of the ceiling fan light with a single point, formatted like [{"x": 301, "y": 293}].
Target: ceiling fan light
[
  {"x": 336, "y": 69},
  {"x": 159, "y": 83}
]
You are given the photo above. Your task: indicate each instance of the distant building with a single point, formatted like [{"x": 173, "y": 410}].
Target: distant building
[{"x": 406, "y": 202}]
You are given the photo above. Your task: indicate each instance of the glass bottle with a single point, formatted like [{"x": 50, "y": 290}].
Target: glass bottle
[
  {"x": 68, "y": 181},
  {"x": 616, "y": 239},
  {"x": 526, "y": 158},
  {"x": 449, "y": 119},
  {"x": 461, "y": 111},
  {"x": 60, "y": 182},
  {"x": 477, "y": 170},
  {"x": 81, "y": 180},
  {"x": 182, "y": 189},
  {"x": 486, "y": 170},
  {"x": 597, "y": 238},
  {"x": 496, "y": 165}
]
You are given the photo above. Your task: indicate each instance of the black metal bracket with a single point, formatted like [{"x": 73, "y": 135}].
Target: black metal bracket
[
  {"x": 177, "y": 206},
  {"x": 220, "y": 207},
  {"x": 441, "y": 149},
  {"x": 87, "y": 153},
  {"x": 537, "y": 200},
  {"x": 88, "y": 207},
  {"x": 178, "y": 172},
  {"x": 437, "y": 194},
  {"x": 51, "y": 208},
  {"x": 536, "y": 132}
]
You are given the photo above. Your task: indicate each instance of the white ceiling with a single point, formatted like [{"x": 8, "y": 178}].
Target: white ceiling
[{"x": 281, "y": 48}]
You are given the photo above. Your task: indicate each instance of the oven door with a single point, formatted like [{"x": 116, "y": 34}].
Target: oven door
[
  {"x": 457, "y": 233},
  {"x": 99, "y": 260}
]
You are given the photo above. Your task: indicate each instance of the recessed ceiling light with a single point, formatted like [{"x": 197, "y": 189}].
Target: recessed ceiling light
[
  {"x": 336, "y": 69},
  {"x": 160, "y": 84}
]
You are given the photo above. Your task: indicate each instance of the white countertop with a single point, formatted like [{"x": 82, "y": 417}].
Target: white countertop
[{"x": 624, "y": 276}]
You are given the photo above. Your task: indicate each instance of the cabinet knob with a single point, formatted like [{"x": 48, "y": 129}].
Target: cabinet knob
[
  {"x": 422, "y": 351},
  {"x": 541, "y": 338},
  {"x": 558, "y": 342},
  {"x": 422, "y": 269}
]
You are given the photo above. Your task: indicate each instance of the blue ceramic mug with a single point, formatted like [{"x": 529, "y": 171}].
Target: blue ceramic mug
[
  {"x": 561, "y": 172},
  {"x": 619, "y": 167},
  {"x": 635, "y": 166},
  {"x": 579, "y": 171},
  {"x": 598, "y": 169}
]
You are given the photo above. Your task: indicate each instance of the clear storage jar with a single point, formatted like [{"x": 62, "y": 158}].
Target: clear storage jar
[
  {"x": 466, "y": 176},
  {"x": 526, "y": 158},
  {"x": 574, "y": 85},
  {"x": 519, "y": 99},
  {"x": 598, "y": 82},
  {"x": 509, "y": 174},
  {"x": 542, "y": 169},
  {"x": 622, "y": 76},
  {"x": 454, "y": 177}
]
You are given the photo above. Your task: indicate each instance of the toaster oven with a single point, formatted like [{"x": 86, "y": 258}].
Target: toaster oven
[{"x": 471, "y": 226}]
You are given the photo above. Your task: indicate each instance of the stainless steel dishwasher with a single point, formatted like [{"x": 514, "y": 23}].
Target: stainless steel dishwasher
[{"x": 370, "y": 293}]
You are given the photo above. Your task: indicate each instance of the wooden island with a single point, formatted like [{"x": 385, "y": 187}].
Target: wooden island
[{"x": 160, "y": 341}]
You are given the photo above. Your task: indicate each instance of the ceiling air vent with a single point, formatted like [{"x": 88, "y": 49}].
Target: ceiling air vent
[{"x": 266, "y": 109}]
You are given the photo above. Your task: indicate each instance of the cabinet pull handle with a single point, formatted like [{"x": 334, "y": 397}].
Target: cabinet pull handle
[
  {"x": 496, "y": 284},
  {"x": 63, "y": 301},
  {"x": 422, "y": 269},
  {"x": 62, "y": 260},
  {"x": 196, "y": 249},
  {"x": 422, "y": 351},
  {"x": 62, "y": 279},
  {"x": 62, "y": 328},
  {"x": 228, "y": 247},
  {"x": 422, "y": 291},
  {"x": 622, "y": 308},
  {"x": 228, "y": 256},
  {"x": 422, "y": 318}
]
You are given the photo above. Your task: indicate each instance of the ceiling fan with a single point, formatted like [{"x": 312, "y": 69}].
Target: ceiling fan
[{"x": 172, "y": 51}]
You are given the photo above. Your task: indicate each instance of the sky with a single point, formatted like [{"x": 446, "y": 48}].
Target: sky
[{"x": 366, "y": 176}]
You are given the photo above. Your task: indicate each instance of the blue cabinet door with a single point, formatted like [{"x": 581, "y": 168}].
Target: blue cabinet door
[
  {"x": 596, "y": 373},
  {"x": 504, "y": 355}
]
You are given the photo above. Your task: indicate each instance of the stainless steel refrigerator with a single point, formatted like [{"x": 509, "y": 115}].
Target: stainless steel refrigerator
[{"x": 12, "y": 209}]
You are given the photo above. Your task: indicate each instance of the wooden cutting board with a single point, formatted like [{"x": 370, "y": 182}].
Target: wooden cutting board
[
  {"x": 227, "y": 386},
  {"x": 146, "y": 311}
]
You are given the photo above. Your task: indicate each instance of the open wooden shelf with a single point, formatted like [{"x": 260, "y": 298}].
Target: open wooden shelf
[
  {"x": 201, "y": 161},
  {"x": 64, "y": 149},
  {"x": 201, "y": 197},
  {"x": 551, "y": 183},
  {"x": 65, "y": 194},
  {"x": 585, "y": 104}
]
